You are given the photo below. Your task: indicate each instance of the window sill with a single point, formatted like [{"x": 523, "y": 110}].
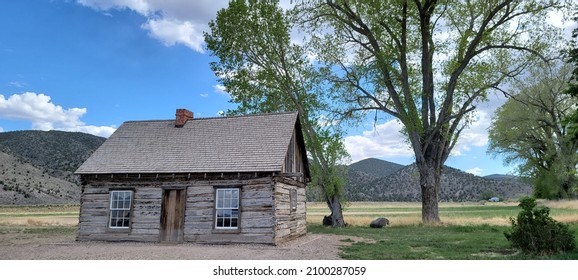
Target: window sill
[
  {"x": 118, "y": 230},
  {"x": 226, "y": 231}
]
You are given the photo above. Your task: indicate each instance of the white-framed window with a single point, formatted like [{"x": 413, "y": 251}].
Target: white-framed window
[
  {"x": 227, "y": 208},
  {"x": 120, "y": 204}
]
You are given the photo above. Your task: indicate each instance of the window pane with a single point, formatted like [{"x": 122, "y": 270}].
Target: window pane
[
  {"x": 227, "y": 203},
  {"x": 235, "y": 199},
  {"x": 227, "y": 198},
  {"x": 113, "y": 199},
  {"x": 127, "y": 198},
  {"x": 219, "y": 199}
]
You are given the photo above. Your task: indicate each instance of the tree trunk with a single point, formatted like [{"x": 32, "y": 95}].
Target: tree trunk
[
  {"x": 336, "y": 211},
  {"x": 429, "y": 177}
]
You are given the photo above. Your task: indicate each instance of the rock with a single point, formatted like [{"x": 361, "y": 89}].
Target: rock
[
  {"x": 327, "y": 221},
  {"x": 379, "y": 223}
]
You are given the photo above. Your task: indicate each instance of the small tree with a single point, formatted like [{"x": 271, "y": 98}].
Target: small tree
[
  {"x": 264, "y": 71},
  {"x": 535, "y": 232}
]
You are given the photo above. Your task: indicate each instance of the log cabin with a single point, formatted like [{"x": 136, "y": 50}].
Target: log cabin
[{"x": 239, "y": 179}]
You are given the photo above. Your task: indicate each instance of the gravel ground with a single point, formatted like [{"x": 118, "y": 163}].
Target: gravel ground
[{"x": 63, "y": 247}]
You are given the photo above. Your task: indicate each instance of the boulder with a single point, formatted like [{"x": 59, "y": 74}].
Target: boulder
[
  {"x": 327, "y": 221},
  {"x": 379, "y": 223}
]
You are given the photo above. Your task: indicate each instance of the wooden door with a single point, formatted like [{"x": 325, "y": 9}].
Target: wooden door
[{"x": 172, "y": 215}]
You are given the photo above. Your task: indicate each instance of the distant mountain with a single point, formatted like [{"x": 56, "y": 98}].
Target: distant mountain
[
  {"x": 376, "y": 167},
  {"x": 403, "y": 184},
  {"x": 36, "y": 167},
  {"x": 23, "y": 184},
  {"x": 499, "y": 177}
]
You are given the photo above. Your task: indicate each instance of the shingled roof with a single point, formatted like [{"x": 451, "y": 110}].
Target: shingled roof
[{"x": 254, "y": 143}]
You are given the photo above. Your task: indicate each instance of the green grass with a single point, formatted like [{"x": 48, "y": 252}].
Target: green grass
[
  {"x": 478, "y": 242},
  {"x": 469, "y": 231}
]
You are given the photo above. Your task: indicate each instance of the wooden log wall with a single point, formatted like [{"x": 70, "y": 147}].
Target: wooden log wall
[
  {"x": 94, "y": 214},
  {"x": 257, "y": 216},
  {"x": 257, "y": 211},
  {"x": 290, "y": 223}
]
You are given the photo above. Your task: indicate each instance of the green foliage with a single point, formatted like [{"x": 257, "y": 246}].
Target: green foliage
[
  {"x": 571, "y": 121},
  {"x": 529, "y": 130},
  {"x": 264, "y": 71},
  {"x": 487, "y": 194},
  {"x": 387, "y": 56},
  {"x": 555, "y": 183},
  {"x": 535, "y": 232}
]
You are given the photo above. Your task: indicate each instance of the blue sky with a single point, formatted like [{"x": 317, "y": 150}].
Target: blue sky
[{"x": 89, "y": 65}]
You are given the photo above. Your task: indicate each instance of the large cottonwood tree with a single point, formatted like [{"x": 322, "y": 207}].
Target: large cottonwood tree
[
  {"x": 426, "y": 63},
  {"x": 529, "y": 130},
  {"x": 572, "y": 120},
  {"x": 264, "y": 71}
]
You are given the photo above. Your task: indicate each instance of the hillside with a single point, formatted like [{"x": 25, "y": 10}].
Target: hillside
[
  {"x": 23, "y": 184},
  {"x": 403, "y": 185},
  {"x": 36, "y": 167},
  {"x": 375, "y": 167},
  {"x": 499, "y": 177}
]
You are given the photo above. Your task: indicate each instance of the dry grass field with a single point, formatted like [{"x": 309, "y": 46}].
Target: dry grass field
[
  {"x": 451, "y": 213},
  {"x": 57, "y": 215},
  {"x": 356, "y": 213}
]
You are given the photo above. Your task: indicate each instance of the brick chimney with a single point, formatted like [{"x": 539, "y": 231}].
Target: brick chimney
[{"x": 182, "y": 116}]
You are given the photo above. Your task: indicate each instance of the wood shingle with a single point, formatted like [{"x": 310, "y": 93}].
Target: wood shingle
[{"x": 254, "y": 143}]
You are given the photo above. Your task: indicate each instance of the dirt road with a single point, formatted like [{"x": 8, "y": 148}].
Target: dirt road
[{"x": 63, "y": 247}]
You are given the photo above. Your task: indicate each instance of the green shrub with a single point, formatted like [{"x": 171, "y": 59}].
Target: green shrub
[
  {"x": 487, "y": 194},
  {"x": 535, "y": 232}
]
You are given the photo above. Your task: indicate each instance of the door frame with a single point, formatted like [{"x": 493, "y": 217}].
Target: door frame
[{"x": 179, "y": 217}]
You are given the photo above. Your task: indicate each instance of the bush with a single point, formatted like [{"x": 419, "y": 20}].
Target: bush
[
  {"x": 487, "y": 194},
  {"x": 535, "y": 232}
]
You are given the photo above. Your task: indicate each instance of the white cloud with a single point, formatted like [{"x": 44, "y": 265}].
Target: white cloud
[
  {"x": 171, "y": 22},
  {"x": 17, "y": 84},
  {"x": 172, "y": 32},
  {"x": 204, "y": 95},
  {"x": 384, "y": 140},
  {"x": 476, "y": 135},
  {"x": 1, "y": 129},
  {"x": 220, "y": 89},
  {"x": 558, "y": 20},
  {"x": 45, "y": 115},
  {"x": 476, "y": 171},
  {"x": 140, "y": 6}
]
